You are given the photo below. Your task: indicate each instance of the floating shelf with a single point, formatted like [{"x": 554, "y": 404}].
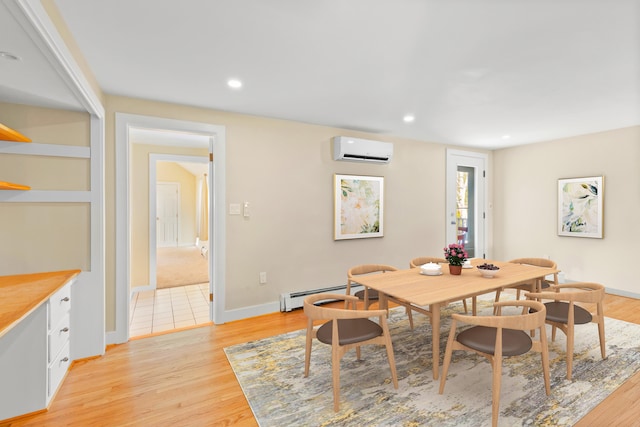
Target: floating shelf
[
  {"x": 11, "y": 186},
  {"x": 8, "y": 134}
]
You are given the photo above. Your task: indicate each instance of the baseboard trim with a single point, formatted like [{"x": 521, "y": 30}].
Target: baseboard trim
[
  {"x": 251, "y": 311},
  {"x": 622, "y": 293}
]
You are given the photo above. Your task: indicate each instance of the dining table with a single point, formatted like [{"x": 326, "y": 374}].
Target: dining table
[{"x": 435, "y": 291}]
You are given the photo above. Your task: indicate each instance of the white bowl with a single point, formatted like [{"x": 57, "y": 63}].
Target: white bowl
[
  {"x": 488, "y": 273},
  {"x": 431, "y": 269}
]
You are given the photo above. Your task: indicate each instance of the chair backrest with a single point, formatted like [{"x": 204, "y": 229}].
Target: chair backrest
[
  {"x": 417, "y": 262},
  {"x": 586, "y": 292},
  {"x": 359, "y": 270},
  {"x": 322, "y": 312},
  {"x": 530, "y": 320},
  {"x": 538, "y": 262}
]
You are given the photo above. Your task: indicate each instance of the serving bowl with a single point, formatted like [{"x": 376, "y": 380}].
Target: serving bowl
[
  {"x": 488, "y": 270},
  {"x": 431, "y": 269}
]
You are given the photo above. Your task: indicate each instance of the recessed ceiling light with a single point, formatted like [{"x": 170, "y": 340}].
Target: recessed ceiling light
[
  {"x": 506, "y": 136},
  {"x": 409, "y": 118},
  {"x": 234, "y": 83},
  {"x": 9, "y": 56}
]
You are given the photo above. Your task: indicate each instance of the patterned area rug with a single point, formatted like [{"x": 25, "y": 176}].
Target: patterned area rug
[{"x": 270, "y": 372}]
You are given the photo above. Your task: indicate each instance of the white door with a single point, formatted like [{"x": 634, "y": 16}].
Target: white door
[
  {"x": 167, "y": 199},
  {"x": 466, "y": 206}
]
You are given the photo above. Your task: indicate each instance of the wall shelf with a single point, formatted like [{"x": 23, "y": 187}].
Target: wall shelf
[
  {"x": 8, "y": 134},
  {"x": 11, "y": 186}
]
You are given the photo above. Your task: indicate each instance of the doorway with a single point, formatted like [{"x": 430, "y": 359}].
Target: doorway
[
  {"x": 465, "y": 201},
  {"x": 177, "y": 293},
  {"x": 165, "y": 129}
]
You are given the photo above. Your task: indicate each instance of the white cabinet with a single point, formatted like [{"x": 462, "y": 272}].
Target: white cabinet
[
  {"x": 34, "y": 356},
  {"x": 59, "y": 307}
]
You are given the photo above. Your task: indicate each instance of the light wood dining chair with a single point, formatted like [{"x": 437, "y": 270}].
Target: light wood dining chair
[
  {"x": 498, "y": 336},
  {"x": 370, "y": 295},
  {"x": 344, "y": 330},
  {"x": 531, "y": 286},
  {"x": 563, "y": 313},
  {"x": 417, "y": 262},
  {"x": 367, "y": 295}
]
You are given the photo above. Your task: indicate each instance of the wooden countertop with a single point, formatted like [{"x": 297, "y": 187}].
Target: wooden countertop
[{"x": 23, "y": 293}]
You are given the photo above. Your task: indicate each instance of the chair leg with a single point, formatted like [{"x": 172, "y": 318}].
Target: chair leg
[
  {"x": 335, "y": 369},
  {"x": 495, "y": 390},
  {"x": 603, "y": 350},
  {"x": 307, "y": 348},
  {"x": 447, "y": 357},
  {"x": 391, "y": 358},
  {"x": 569, "y": 351},
  {"x": 498, "y": 295},
  {"x": 544, "y": 352},
  {"x": 464, "y": 304}
]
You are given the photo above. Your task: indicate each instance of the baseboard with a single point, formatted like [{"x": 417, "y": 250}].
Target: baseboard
[
  {"x": 251, "y": 311},
  {"x": 622, "y": 293}
]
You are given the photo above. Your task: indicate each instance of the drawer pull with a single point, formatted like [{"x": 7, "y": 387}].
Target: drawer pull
[
  {"x": 65, "y": 299},
  {"x": 65, "y": 329},
  {"x": 66, "y": 359}
]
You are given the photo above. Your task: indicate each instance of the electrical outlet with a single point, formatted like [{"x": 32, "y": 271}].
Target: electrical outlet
[{"x": 263, "y": 277}]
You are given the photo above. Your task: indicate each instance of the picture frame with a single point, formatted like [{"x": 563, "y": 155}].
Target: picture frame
[
  {"x": 358, "y": 206},
  {"x": 581, "y": 207}
]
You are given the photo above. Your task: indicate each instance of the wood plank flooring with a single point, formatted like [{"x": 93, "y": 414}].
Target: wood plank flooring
[{"x": 184, "y": 379}]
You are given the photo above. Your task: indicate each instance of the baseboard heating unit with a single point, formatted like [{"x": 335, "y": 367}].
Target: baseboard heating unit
[{"x": 292, "y": 300}]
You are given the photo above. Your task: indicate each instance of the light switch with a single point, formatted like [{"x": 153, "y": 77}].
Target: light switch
[
  {"x": 234, "y": 209},
  {"x": 245, "y": 210}
]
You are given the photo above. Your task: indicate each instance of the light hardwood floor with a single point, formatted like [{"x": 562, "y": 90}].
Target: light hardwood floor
[{"x": 184, "y": 379}]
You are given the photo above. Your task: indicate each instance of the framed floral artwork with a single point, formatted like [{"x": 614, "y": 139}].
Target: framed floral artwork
[
  {"x": 358, "y": 206},
  {"x": 581, "y": 207}
]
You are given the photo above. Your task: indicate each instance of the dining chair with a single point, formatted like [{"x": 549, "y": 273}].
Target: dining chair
[
  {"x": 344, "y": 330},
  {"x": 531, "y": 286},
  {"x": 563, "y": 313},
  {"x": 368, "y": 295},
  {"x": 417, "y": 262},
  {"x": 498, "y": 336}
]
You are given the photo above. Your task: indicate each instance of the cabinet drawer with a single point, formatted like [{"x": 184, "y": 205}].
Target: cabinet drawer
[
  {"x": 59, "y": 305},
  {"x": 58, "y": 336},
  {"x": 57, "y": 370}
]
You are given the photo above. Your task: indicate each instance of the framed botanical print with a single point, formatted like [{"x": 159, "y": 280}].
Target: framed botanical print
[
  {"x": 358, "y": 206},
  {"x": 581, "y": 207}
]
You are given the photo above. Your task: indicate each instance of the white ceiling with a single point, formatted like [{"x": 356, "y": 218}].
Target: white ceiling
[{"x": 471, "y": 71}]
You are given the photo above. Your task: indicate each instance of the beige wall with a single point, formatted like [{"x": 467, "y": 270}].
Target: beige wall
[
  {"x": 525, "y": 187},
  {"x": 45, "y": 236},
  {"x": 285, "y": 171}
]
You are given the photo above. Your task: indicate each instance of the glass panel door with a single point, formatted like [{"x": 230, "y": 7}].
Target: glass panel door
[{"x": 465, "y": 194}]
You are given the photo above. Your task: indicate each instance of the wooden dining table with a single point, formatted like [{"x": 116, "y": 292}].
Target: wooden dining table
[{"x": 422, "y": 290}]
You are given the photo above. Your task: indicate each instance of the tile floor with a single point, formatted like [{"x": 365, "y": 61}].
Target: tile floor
[{"x": 165, "y": 309}]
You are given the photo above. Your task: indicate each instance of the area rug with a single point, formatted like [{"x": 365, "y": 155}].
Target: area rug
[{"x": 270, "y": 372}]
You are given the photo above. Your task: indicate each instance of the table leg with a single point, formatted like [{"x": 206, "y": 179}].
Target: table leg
[
  {"x": 435, "y": 336},
  {"x": 383, "y": 302}
]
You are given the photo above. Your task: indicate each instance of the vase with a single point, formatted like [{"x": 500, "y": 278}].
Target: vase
[{"x": 455, "y": 270}]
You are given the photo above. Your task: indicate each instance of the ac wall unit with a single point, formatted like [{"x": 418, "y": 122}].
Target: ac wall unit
[{"x": 361, "y": 150}]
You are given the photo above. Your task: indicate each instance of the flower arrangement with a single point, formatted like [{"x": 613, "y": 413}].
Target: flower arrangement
[{"x": 455, "y": 254}]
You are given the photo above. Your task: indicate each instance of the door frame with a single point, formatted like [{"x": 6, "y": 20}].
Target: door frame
[
  {"x": 478, "y": 161},
  {"x": 217, "y": 236}
]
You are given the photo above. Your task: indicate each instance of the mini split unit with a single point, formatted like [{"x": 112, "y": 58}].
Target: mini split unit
[{"x": 361, "y": 150}]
